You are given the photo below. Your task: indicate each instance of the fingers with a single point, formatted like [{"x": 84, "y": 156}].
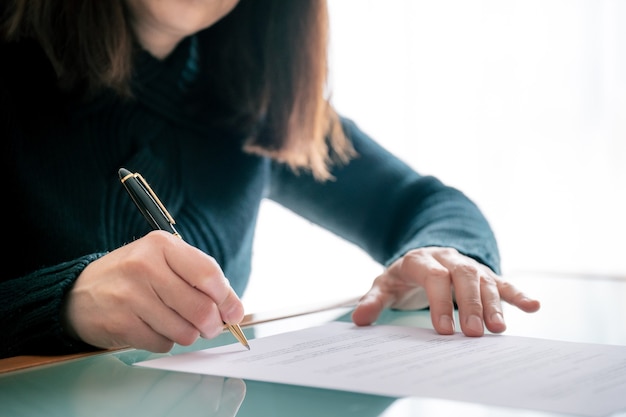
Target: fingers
[
  {"x": 513, "y": 296},
  {"x": 150, "y": 294},
  {"x": 197, "y": 291},
  {"x": 447, "y": 276},
  {"x": 476, "y": 292},
  {"x": 492, "y": 306},
  {"x": 140, "y": 335},
  {"x": 202, "y": 272},
  {"x": 438, "y": 288},
  {"x": 391, "y": 289},
  {"x": 371, "y": 305},
  {"x": 179, "y": 312}
]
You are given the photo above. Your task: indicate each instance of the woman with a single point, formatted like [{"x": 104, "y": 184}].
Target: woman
[{"x": 219, "y": 104}]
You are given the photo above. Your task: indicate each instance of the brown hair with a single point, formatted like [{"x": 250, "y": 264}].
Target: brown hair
[{"x": 267, "y": 59}]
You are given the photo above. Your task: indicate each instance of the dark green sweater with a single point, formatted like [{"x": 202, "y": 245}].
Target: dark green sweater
[{"x": 66, "y": 206}]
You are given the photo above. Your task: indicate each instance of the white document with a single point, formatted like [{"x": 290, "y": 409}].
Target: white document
[{"x": 399, "y": 361}]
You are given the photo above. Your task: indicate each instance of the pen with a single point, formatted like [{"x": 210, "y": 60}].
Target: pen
[{"x": 160, "y": 219}]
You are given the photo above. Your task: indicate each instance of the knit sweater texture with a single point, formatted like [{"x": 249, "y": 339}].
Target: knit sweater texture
[{"x": 68, "y": 208}]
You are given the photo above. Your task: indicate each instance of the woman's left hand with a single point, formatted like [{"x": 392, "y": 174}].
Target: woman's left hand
[{"x": 437, "y": 277}]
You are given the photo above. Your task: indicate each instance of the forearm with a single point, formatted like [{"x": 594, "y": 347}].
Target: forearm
[
  {"x": 31, "y": 310},
  {"x": 396, "y": 211},
  {"x": 445, "y": 218}
]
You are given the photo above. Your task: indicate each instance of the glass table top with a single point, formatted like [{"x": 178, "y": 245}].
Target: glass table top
[{"x": 108, "y": 384}]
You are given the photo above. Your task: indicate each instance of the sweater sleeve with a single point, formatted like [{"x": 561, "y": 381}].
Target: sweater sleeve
[
  {"x": 31, "y": 310},
  {"x": 385, "y": 207}
]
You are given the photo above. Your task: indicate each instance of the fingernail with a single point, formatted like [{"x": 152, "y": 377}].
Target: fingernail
[
  {"x": 233, "y": 314},
  {"x": 475, "y": 324},
  {"x": 497, "y": 318},
  {"x": 446, "y": 325}
]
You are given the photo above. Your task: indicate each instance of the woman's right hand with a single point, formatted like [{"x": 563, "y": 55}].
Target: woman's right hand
[{"x": 150, "y": 294}]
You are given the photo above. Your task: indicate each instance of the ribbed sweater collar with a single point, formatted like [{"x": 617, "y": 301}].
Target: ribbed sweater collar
[{"x": 162, "y": 85}]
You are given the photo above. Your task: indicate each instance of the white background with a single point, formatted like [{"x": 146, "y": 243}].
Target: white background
[{"x": 520, "y": 104}]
